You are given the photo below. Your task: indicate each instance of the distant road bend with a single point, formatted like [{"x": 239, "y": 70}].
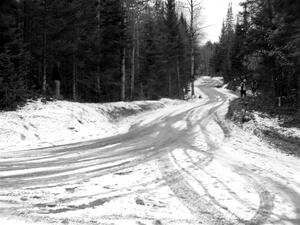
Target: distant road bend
[{"x": 186, "y": 158}]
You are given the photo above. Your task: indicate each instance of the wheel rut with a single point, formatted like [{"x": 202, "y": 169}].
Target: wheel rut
[
  {"x": 207, "y": 211},
  {"x": 203, "y": 210}
]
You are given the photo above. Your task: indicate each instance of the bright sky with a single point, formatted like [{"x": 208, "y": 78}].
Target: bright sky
[{"x": 213, "y": 12}]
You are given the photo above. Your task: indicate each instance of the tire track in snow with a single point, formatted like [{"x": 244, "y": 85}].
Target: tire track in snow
[
  {"x": 182, "y": 189},
  {"x": 212, "y": 198},
  {"x": 197, "y": 165},
  {"x": 293, "y": 196},
  {"x": 223, "y": 126},
  {"x": 266, "y": 203},
  {"x": 201, "y": 164},
  {"x": 136, "y": 144},
  {"x": 266, "y": 199},
  {"x": 203, "y": 210}
]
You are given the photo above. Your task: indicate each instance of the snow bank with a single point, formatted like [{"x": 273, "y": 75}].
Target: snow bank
[
  {"x": 263, "y": 121},
  {"x": 272, "y": 129},
  {"x": 39, "y": 124}
]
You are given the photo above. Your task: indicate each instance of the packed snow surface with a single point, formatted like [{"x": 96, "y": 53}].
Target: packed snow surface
[{"x": 183, "y": 164}]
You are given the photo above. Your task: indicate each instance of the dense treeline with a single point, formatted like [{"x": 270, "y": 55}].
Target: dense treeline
[
  {"x": 264, "y": 45},
  {"x": 98, "y": 50}
]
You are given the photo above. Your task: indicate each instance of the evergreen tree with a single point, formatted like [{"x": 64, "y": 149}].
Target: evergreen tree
[
  {"x": 286, "y": 39},
  {"x": 265, "y": 47},
  {"x": 171, "y": 46},
  {"x": 153, "y": 76},
  {"x": 13, "y": 57},
  {"x": 184, "y": 53},
  {"x": 90, "y": 45}
]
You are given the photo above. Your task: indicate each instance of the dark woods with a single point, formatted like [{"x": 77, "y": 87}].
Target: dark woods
[
  {"x": 96, "y": 50},
  {"x": 263, "y": 45}
]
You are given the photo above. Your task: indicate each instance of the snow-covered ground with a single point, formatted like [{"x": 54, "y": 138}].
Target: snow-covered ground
[
  {"x": 179, "y": 165},
  {"x": 266, "y": 122},
  {"x": 41, "y": 124},
  {"x": 262, "y": 121}
]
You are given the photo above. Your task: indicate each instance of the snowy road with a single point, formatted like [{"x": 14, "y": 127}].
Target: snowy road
[{"x": 181, "y": 165}]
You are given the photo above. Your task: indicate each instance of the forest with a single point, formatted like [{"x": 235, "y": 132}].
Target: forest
[
  {"x": 111, "y": 50},
  {"x": 94, "y": 51},
  {"x": 261, "y": 44}
]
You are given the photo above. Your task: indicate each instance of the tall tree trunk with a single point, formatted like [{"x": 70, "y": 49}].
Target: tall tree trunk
[
  {"x": 138, "y": 56},
  {"x": 297, "y": 80},
  {"x": 123, "y": 94},
  {"x": 179, "y": 91},
  {"x": 132, "y": 76},
  {"x": 170, "y": 84},
  {"x": 98, "y": 76},
  {"x": 98, "y": 84},
  {"x": 142, "y": 95},
  {"x": 192, "y": 70},
  {"x": 44, "y": 85},
  {"x": 192, "y": 47},
  {"x": 123, "y": 54},
  {"x": 74, "y": 86},
  {"x": 132, "y": 71}
]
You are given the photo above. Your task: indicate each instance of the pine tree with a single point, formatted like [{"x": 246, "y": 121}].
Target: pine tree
[
  {"x": 13, "y": 57},
  {"x": 171, "y": 48},
  {"x": 90, "y": 45},
  {"x": 112, "y": 47},
  {"x": 265, "y": 45},
  {"x": 286, "y": 39},
  {"x": 153, "y": 80},
  {"x": 183, "y": 55}
]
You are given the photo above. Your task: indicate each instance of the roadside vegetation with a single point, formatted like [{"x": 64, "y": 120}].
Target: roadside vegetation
[
  {"x": 280, "y": 126},
  {"x": 262, "y": 46},
  {"x": 96, "y": 51}
]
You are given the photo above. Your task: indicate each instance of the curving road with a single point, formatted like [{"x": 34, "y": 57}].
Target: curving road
[{"x": 180, "y": 165}]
